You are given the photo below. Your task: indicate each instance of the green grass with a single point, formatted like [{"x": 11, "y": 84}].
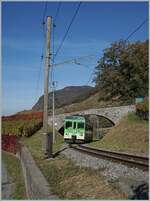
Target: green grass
[
  {"x": 14, "y": 169},
  {"x": 67, "y": 180},
  {"x": 34, "y": 143},
  {"x": 130, "y": 135}
]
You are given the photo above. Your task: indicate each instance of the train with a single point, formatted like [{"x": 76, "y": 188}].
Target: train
[{"x": 77, "y": 129}]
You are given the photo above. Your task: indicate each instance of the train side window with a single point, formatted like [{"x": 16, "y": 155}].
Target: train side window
[
  {"x": 74, "y": 125},
  {"x": 68, "y": 124},
  {"x": 80, "y": 125}
]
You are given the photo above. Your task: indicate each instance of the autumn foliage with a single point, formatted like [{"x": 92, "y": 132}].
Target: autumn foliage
[
  {"x": 10, "y": 143},
  {"x": 34, "y": 115}
]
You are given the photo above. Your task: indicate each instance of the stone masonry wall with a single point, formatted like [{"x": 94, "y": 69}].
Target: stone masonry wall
[{"x": 115, "y": 114}]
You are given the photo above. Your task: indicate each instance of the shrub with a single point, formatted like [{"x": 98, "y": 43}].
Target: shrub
[{"x": 142, "y": 109}]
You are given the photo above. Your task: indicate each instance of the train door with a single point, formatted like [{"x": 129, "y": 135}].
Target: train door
[{"x": 80, "y": 130}]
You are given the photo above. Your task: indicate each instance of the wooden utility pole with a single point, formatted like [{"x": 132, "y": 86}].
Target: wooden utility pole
[
  {"x": 47, "y": 137},
  {"x": 54, "y": 84},
  {"x": 53, "y": 112}
]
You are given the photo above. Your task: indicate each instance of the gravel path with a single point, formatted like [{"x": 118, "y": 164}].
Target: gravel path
[
  {"x": 6, "y": 184},
  {"x": 127, "y": 178}
]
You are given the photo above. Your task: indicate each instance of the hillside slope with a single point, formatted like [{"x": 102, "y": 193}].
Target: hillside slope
[
  {"x": 91, "y": 102},
  {"x": 66, "y": 96},
  {"x": 130, "y": 135},
  {"x": 75, "y": 98}
]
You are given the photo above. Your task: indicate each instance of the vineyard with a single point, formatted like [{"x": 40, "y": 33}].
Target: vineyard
[
  {"x": 30, "y": 116},
  {"x": 22, "y": 125}
]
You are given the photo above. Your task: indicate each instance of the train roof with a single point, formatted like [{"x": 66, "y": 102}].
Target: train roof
[{"x": 75, "y": 118}]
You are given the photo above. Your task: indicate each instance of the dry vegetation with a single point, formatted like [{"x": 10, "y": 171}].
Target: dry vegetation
[
  {"x": 67, "y": 180},
  {"x": 71, "y": 182},
  {"x": 130, "y": 135}
]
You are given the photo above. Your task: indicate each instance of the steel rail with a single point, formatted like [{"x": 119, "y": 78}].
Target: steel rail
[
  {"x": 129, "y": 159},
  {"x": 124, "y": 154}
]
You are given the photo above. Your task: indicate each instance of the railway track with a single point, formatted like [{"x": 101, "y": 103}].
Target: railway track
[{"x": 141, "y": 162}]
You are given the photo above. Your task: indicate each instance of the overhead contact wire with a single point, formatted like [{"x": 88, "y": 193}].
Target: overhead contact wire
[{"x": 67, "y": 31}]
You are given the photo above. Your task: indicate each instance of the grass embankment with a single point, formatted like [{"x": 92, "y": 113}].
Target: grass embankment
[
  {"x": 130, "y": 135},
  {"x": 14, "y": 169},
  {"x": 67, "y": 180}
]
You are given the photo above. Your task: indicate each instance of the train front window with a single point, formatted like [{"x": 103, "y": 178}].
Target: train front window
[
  {"x": 68, "y": 124},
  {"x": 80, "y": 125}
]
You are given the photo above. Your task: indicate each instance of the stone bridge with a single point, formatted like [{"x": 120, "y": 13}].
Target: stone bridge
[{"x": 114, "y": 114}]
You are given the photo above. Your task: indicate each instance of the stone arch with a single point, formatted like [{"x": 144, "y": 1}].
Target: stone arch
[
  {"x": 61, "y": 129},
  {"x": 103, "y": 116},
  {"x": 113, "y": 114}
]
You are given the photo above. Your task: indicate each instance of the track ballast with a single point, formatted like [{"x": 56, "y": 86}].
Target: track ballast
[{"x": 138, "y": 161}]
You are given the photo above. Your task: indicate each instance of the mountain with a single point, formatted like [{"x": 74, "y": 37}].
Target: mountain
[{"x": 66, "y": 96}]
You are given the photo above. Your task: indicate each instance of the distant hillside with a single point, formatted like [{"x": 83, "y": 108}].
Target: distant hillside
[{"x": 66, "y": 96}]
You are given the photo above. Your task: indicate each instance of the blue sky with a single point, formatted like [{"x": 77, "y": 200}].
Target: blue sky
[{"x": 96, "y": 26}]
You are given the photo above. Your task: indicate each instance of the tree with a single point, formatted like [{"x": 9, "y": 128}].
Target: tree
[{"x": 123, "y": 70}]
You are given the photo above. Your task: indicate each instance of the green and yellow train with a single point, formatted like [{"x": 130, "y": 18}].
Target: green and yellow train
[{"x": 77, "y": 130}]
